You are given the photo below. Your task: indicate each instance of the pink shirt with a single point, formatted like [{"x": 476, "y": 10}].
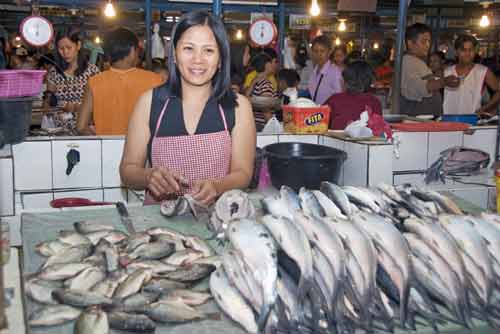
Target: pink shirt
[{"x": 329, "y": 79}]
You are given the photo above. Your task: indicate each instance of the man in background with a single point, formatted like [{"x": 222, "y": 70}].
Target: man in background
[{"x": 110, "y": 96}]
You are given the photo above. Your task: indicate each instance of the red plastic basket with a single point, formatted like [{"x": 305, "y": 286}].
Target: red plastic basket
[{"x": 20, "y": 83}]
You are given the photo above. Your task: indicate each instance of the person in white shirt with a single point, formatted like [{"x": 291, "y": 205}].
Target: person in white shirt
[{"x": 466, "y": 98}]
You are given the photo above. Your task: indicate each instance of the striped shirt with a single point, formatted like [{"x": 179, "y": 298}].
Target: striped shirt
[{"x": 263, "y": 88}]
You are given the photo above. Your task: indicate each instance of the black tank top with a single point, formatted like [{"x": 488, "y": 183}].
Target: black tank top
[{"x": 172, "y": 123}]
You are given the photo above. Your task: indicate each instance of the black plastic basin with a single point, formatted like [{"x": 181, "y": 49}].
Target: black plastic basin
[{"x": 303, "y": 165}]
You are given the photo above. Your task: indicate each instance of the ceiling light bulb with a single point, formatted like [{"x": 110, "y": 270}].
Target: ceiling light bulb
[
  {"x": 485, "y": 21},
  {"x": 18, "y": 38},
  {"x": 97, "y": 40},
  {"x": 375, "y": 46},
  {"x": 315, "y": 10},
  {"x": 109, "y": 10},
  {"x": 342, "y": 26},
  {"x": 337, "y": 41},
  {"x": 239, "y": 34}
]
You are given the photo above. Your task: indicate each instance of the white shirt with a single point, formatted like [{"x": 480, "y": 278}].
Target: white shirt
[{"x": 466, "y": 98}]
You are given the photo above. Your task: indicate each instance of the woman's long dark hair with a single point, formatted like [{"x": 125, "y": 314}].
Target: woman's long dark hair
[
  {"x": 221, "y": 82},
  {"x": 73, "y": 34}
]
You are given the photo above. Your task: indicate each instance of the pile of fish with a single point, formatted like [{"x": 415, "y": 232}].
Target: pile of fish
[
  {"x": 343, "y": 259},
  {"x": 104, "y": 278}
]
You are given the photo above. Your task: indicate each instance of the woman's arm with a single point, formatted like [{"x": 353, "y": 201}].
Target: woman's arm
[
  {"x": 242, "y": 157},
  {"x": 492, "y": 83},
  {"x": 133, "y": 173},
  {"x": 85, "y": 114}
]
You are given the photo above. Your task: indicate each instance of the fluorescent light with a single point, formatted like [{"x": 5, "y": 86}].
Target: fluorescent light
[
  {"x": 109, "y": 10},
  {"x": 315, "y": 10}
]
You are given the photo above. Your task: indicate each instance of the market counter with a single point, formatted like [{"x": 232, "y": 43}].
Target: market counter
[{"x": 45, "y": 226}]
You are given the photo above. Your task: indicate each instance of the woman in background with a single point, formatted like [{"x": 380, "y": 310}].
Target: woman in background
[
  {"x": 346, "y": 107},
  {"x": 68, "y": 80}
]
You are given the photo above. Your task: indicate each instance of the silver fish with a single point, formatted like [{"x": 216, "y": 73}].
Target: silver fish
[
  {"x": 337, "y": 195},
  {"x": 41, "y": 291},
  {"x": 290, "y": 198},
  {"x": 112, "y": 236},
  {"x": 276, "y": 207},
  {"x": 310, "y": 204},
  {"x": 441, "y": 242},
  {"x": 293, "y": 241},
  {"x": 62, "y": 271},
  {"x": 474, "y": 253},
  {"x": 230, "y": 301},
  {"x": 87, "y": 226},
  {"x": 262, "y": 260},
  {"x": 53, "y": 315},
  {"x": 131, "y": 322},
  {"x": 490, "y": 233},
  {"x": 330, "y": 208},
  {"x": 288, "y": 293},
  {"x": 153, "y": 251},
  {"x": 173, "y": 234},
  {"x": 361, "y": 263},
  {"x": 80, "y": 298},
  {"x": 325, "y": 277},
  {"x": 86, "y": 279},
  {"x": 133, "y": 283},
  {"x": 92, "y": 321},
  {"x": 362, "y": 197},
  {"x": 50, "y": 248},
  {"x": 70, "y": 255},
  {"x": 240, "y": 276},
  {"x": 434, "y": 273},
  {"x": 393, "y": 253}
]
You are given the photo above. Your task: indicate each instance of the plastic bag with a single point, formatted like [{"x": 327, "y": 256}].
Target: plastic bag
[
  {"x": 47, "y": 122},
  {"x": 273, "y": 126},
  {"x": 359, "y": 128}
]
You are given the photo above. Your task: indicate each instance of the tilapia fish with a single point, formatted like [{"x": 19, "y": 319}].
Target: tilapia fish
[
  {"x": 131, "y": 322},
  {"x": 62, "y": 271},
  {"x": 230, "y": 301},
  {"x": 173, "y": 311},
  {"x": 53, "y": 315},
  {"x": 153, "y": 250},
  {"x": 80, "y": 298},
  {"x": 86, "y": 279},
  {"x": 50, "y": 248},
  {"x": 133, "y": 283},
  {"x": 41, "y": 291},
  {"x": 92, "y": 321},
  {"x": 88, "y": 226},
  {"x": 190, "y": 273}
]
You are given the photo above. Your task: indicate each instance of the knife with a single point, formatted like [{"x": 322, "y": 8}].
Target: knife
[{"x": 125, "y": 217}]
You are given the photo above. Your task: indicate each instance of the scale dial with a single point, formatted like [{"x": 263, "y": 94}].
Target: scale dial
[
  {"x": 36, "y": 30},
  {"x": 263, "y": 32}
]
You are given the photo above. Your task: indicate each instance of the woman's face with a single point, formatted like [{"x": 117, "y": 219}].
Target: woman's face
[
  {"x": 197, "y": 56},
  {"x": 246, "y": 56},
  {"x": 339, "y": 57},
  {"x": 68, "y": 49}
]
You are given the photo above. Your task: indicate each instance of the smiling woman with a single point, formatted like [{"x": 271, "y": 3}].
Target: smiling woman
[{"x": 197, "y": 136}]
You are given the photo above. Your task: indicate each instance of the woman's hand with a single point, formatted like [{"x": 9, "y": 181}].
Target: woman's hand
[
  {"x": 162, "y": 181},
  {"x": 204, "y": 191}
]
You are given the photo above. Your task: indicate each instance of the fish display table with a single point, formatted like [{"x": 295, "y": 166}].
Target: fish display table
[{"x": 45, "y": 226}]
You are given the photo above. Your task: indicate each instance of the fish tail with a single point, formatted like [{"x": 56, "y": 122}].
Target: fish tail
[
  {"x": 403, "y": 307},
  {"x": 264, "y": 313}
]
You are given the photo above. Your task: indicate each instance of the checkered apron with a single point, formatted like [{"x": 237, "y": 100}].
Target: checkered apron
[{"x": 197, "y": 157}]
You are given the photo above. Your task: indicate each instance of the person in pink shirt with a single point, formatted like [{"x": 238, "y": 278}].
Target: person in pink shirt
[
  {"x": 346, "y": 107},
  {"x": 326, "y": 78}
]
